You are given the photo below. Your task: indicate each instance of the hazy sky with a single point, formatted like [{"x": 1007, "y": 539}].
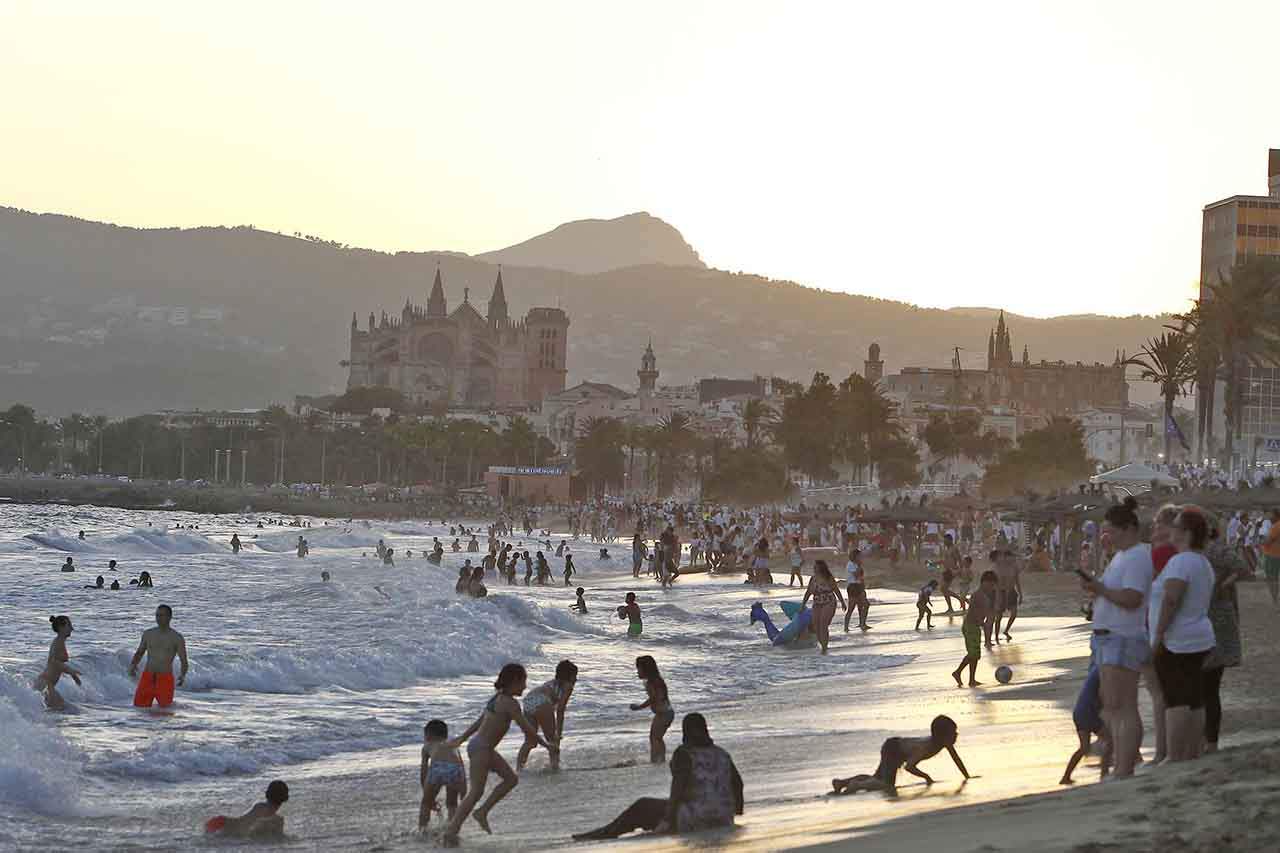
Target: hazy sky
[{"x": 1044, "y": 157}]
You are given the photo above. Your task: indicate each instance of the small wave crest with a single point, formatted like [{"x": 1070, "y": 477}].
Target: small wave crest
[
  {"x": 142, "y": 540},
  {"x": 39, "y": 768}
]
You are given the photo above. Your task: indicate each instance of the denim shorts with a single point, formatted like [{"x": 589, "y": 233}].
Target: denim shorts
[{"x": 1118, "y": 650}]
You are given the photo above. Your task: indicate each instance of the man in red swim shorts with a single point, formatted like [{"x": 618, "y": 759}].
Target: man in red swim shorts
[{"x": 160, "y": 645}]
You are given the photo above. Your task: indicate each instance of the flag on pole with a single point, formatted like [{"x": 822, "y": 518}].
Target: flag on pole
[{"x": 1171, "y": 428}]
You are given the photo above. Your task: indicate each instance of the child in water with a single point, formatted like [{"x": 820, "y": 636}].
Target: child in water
[
  {"x": 441, "y": 768},
  {"x": 922, "y": 605},
  {"x": 581, "y": 604},
  {"x": 631, "y": 612},
  {"x": 568, "y": 568},
  {"x": 260, "y": 821},
  {"x": 906, "y": 753}
]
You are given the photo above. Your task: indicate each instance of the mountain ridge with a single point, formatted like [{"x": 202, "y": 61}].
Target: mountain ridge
[{"x": 102, "y": 317}]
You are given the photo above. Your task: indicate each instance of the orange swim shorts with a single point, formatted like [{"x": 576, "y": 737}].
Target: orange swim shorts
[{"x": 154, "y": 686}]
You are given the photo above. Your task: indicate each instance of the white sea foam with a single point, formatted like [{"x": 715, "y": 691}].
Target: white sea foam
[{"x": 39, "y": 768}]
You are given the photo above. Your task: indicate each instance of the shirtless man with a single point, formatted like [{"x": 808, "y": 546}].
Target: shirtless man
[
  {"x": 1009, "y": 592},
  {"x": 160, "y": 645}
]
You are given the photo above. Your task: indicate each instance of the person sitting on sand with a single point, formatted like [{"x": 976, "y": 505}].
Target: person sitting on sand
[
  {"x": 980, "y": 611},
  {"x": 706, "y": 791},
  {"x": 906, "y": 753},
  {"x": 441, "y": 767},
  {"x": 56, "y": 664},
  {"x": 261, "y": 821}
]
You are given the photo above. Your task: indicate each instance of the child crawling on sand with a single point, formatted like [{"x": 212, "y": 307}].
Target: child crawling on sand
[
  {"x": 905, "y": 753},
  {"x": 441, "y": 768}
]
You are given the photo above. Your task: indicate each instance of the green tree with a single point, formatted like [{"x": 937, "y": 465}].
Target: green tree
[
  {"x": 748, "y": 477},
  {"x": 807, "y": 431},
  {"x": 1170, "y": 362},
  {"x": 1053, "y": 456},
  {"x": 672, "y": 441},
  {"x": 597, "y": 452},
  {"x": 866, "y": 421}
]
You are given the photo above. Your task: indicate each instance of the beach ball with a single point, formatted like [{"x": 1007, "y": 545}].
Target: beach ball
[{"x": 1003, "y": 674}]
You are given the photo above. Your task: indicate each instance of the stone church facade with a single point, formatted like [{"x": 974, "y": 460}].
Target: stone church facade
[{"x": 464, "y": 358}]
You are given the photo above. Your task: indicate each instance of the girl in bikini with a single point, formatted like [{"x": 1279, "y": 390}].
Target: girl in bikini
[
  {"x": 544, "y": 706},
  {"x": 663, "y": 714},
  {"x": 57, "y": 665},
  {"x": 485, "y": 734},
  {"x": 825, "y": 593}
]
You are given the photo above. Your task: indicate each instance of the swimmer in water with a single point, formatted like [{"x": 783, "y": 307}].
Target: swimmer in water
[
  {"x": 97, "y": 584},
  {"x": 489, "y": 730},
  {"x": 261, "y": 821},
  {"x": 68, "y": 566},
  {"x": 581, "y": 604},
  {"x": 56, "y": 664},
  {"x": 235, "y": 544},
  {"x": 631, "y": 612},
  {"x": 111, "y": 566},
  {"x": 115, "y": 584},
  {"x": 324, "y": 576}
]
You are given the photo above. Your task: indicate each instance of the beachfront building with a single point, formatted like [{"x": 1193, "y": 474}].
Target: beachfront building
[
  {"x": 1231, "y": 230},
  {"x": 461, "y": 357}
]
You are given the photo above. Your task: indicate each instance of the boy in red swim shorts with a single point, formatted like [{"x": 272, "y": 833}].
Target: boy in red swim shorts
[{"x": 160, "y": 645}]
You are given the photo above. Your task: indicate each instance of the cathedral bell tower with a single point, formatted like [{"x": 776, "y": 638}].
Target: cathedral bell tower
[{"x": 648, "y": 372}]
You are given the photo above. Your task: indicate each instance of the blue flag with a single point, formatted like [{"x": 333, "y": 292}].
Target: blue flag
[{"x": 1171, "y": 428}]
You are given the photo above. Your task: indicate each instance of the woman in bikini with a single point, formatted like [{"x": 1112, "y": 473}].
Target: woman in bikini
[
  {"x": 544, "y": 706},
  {"x": 825, "y": 593},
  {"x": 485, "y": 734},
  {"x": 660, "y": 703},
  {"x": 56, "y": 665}
]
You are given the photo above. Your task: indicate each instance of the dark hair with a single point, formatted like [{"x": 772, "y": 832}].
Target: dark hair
[
  {"x": 510, "y": 674},
  {"x": 631, "y": 596},
  {"x": 436, "y": 728},
  {"x": 581, "y": 591},
  {"x": 694, "y": 730},
  {"x": 821, "y": 567},
  {"x": 943, "y": 728},
  {"x": 1192, "y": 519},
  {"x": 1123, "y": 515},
  {"x": 566, "y": 670},
  {"x": 647, "y": 667},
  {"x": 57, "y": 621},
  {"x": 989, "y": 575},
  {"x": 277, "y": 793},
  {"x": 170, "y": 611}
]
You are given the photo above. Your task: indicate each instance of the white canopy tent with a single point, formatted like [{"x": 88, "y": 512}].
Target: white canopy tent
[{"x": 1133, "y": 474}]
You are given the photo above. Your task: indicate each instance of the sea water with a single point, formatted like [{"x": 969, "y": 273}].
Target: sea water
[{"x": 296, "y": 678}]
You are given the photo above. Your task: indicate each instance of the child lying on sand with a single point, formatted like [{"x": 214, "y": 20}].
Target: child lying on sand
[{"x": 906, "y": 753}]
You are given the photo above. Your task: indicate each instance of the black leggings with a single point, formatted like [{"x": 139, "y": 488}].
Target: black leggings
[
  {"x": 1181, "y": 676},
  {"x": 1212, "y": 682},
  {"x": 645, "y": 813}
]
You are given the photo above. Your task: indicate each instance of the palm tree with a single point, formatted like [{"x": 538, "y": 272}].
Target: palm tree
[
  {"x": 672, "y": 440},
  {"x": 756, "y": 415},
  {"x": 598, "y": 452},
  {"x": 1170, "y": 362},
  {"x": 1235, "y": 326}
]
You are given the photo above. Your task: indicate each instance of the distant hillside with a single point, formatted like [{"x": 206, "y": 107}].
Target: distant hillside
[
  {"x": 102, "y": 318},
  {"x": 591, "y": 246}
]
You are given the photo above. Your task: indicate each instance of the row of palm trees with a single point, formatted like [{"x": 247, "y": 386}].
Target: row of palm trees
[{"x": 1231, "y": 329}]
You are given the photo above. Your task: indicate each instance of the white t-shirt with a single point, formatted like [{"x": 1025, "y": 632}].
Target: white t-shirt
[
  {"x": 853, "y": 571},
  {"x": 1128, "y": 569},
  {"x": 1190, "y": 629}
]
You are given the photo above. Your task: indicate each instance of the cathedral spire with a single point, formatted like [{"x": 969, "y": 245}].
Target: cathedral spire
[
  {"x": 498, "y": 303},
  {"x": 436, "y": 305},
  {"x": 648, "y": 372}
]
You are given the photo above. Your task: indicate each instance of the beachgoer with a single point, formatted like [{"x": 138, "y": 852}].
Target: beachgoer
[
  {"x": 160, "y": 645},
  {"x": 906, "y": 753},
  {"x": 1009, "y": 593},
  {"x": 261, "y": 821},
  {"x": 115, "y": 584},
  {"x": 100, "y": 583},
  {"x": 581, "y": 604},
  {"x": 797, "y": 562},
  {"x": 111, "y": 565},
  {"x": 922, "y": 605},
  {"x": 950, "y": 569},
  {"x": 388, "y": 557},
  {"x": 68, "y": 566},
  {"x": 144, "y": 580},
  {"x": 1181, "y": 633},
  {"x": 1119, "y": 643},
  {"x": 856, "y": 586},
  {"x": 1087, "y": 716},
  {"x": 825, "y": 593},
  {"x": 631, "y": 612},
  {"x": 1270, "y": 557},
  {"x": 568, "y": 567},
  {"x": 980, "y": 610},
  {"x": 544, "y": 706},
  {"x": 485, "y": 734},
  {"x": 706, "y": 791},
  {"x": 56, "y": 664},
  {"x": 1224, "y": 615},
  {"x": 235, "y": 543},
  {"x": 476, "y": 587},
  {"x": 441, "y": 767},
  {"x": 660, "y": 702}
]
